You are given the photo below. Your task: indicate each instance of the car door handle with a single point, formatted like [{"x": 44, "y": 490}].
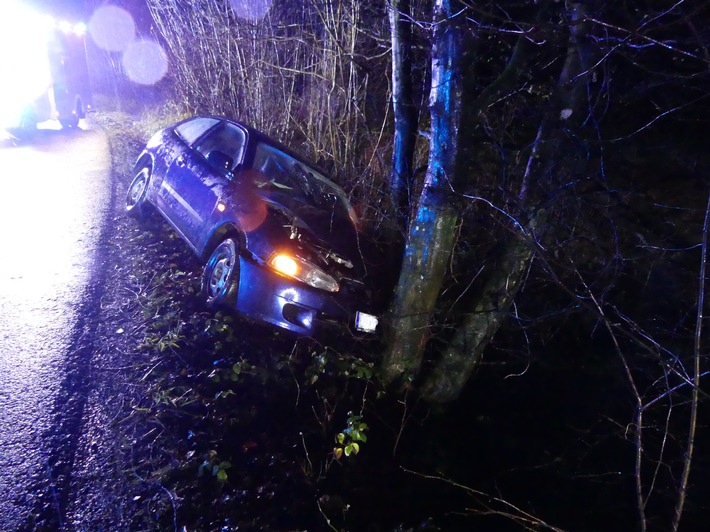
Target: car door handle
[{"x": 180, "y": 161}]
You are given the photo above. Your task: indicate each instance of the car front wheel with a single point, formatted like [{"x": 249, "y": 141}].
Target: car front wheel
[
  {"x": 220, "y": 277},
  {"x": 135, "y": 198}
]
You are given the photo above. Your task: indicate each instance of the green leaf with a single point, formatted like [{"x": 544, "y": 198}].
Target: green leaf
[
  {"x": 352, "y": 448},
  {"x": 364, "y": 373},
  {"x": 223, "y": 394},
  {"x": 340, "y": 438},
  {"x": 222, "y": 475}
]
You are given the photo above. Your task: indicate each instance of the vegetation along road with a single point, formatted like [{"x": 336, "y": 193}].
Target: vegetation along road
[{"x": 536, "y": 174}]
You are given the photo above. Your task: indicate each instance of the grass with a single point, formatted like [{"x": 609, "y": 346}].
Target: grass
[{"x": 231, "y": 424}]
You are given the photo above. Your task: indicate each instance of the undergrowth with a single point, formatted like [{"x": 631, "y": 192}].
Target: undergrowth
[{"x": 242, "y": 425}]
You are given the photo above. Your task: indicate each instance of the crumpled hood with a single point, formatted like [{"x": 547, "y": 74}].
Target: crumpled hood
[{"x": 331, "y": 230}]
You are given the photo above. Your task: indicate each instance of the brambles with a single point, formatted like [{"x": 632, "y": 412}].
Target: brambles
[
  {"x": 348, "y": 441},
  {"x": 216, "y": 467},
  {"x": 170, "y": 340}
]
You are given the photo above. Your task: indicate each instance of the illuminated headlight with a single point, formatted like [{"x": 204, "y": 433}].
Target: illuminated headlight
[{"x": 304, "y": 272}]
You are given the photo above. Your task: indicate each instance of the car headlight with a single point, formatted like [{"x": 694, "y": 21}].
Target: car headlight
[{"x": 303, "y": 271}]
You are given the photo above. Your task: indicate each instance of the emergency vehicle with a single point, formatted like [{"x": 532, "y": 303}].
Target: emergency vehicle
[{"x": 43, "y": 70}]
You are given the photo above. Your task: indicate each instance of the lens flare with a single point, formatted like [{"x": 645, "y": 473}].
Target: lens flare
[
  {"x": 145, "y": 62},
  {"x": 253, "y": 10},
  {"x": 112, "y": 28}
]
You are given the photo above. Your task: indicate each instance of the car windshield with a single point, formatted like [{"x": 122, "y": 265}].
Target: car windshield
[{"x": 303, "y": 185}]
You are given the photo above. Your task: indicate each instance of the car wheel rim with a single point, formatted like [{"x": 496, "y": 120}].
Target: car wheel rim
[
  {"x": 219, "y": 280},
  {"x": 136, "y": 191}
]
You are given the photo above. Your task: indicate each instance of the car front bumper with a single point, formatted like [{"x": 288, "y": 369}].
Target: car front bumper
[{"x": 265, "y": 295}]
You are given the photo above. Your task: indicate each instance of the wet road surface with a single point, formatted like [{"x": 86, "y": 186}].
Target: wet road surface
[{"x": 54, "y": 198}]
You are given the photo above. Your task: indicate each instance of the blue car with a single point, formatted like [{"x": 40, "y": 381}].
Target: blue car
[{"x": 279, "y": 241}]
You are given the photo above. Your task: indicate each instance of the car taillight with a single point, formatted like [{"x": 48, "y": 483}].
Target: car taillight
[{"x": 303, "y": 271}]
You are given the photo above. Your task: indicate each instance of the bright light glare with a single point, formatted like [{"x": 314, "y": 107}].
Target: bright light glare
[
  {"x": 304, "y": 272},
  {"x": 45, "y": 24},
  {"x": 285, "y": 265},
  {"x": 65, "y": 26},
  {"x": 24, "y": 64},
  {"x": 79, "y": 29},
  {"x": 70, "y": 28}
]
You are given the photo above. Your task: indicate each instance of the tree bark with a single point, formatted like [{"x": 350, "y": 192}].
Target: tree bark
[
  {"x": 432, "y": 231},
  {"x": 405, "y": 118},
  {"x": 431, "y": 239},
  {"x": 464, "y": 351}
]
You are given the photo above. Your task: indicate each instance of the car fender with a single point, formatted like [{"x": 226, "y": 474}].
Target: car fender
[
  {"x": 218, "y": 234},
  {"x": 145, "y": 159}
]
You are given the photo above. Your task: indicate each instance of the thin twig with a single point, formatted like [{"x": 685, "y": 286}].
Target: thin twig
[
  {"x": 693, "y": 423},
  {"x": 519, "y": 515},
  {"x": 327, "y": 519}
]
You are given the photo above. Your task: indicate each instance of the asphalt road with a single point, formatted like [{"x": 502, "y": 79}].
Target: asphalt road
[{"x": 54, "y": 199}]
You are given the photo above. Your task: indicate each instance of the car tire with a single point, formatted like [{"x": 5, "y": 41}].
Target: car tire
[
  {"x": 220, "y": 277},
  {"x": 79, "y": 109},
  {"x": 71, "y": 122},
  {"x": 135, "y": 197}
]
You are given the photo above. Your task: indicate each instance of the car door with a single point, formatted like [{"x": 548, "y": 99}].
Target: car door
[
  {"x": 195, "y": 181},
  {"x": 173, "y": 154}
]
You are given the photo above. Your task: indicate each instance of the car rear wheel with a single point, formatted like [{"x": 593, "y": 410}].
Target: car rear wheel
[
  {"x": 79, "y": 108},
  {"x": 135, "y": 198},
  {"x": 220, "y": 277},
  {"x": 70, "y": 122}
]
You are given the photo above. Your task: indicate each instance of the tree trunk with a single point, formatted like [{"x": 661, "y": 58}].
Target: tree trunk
[
  {"x": 431, "y": 239},
  {"x": 464, "y": 351},
  {"x": 405, "y": 119},
  {"x": 432, "y": 232}
]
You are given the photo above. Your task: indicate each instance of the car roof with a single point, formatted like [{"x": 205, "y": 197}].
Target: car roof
[{"x": 255, "y": 134}]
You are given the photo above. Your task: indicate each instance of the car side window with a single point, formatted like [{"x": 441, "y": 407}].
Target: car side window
[
  {"x": 192, "y": 130},
  {"x": 224, "y": 147},
  {"x": 304, "y": 184}
]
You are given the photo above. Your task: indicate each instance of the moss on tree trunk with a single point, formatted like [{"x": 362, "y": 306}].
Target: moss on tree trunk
[
  {"x": 431, "y": 239},
  {"x": 432, "y": 229}
]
